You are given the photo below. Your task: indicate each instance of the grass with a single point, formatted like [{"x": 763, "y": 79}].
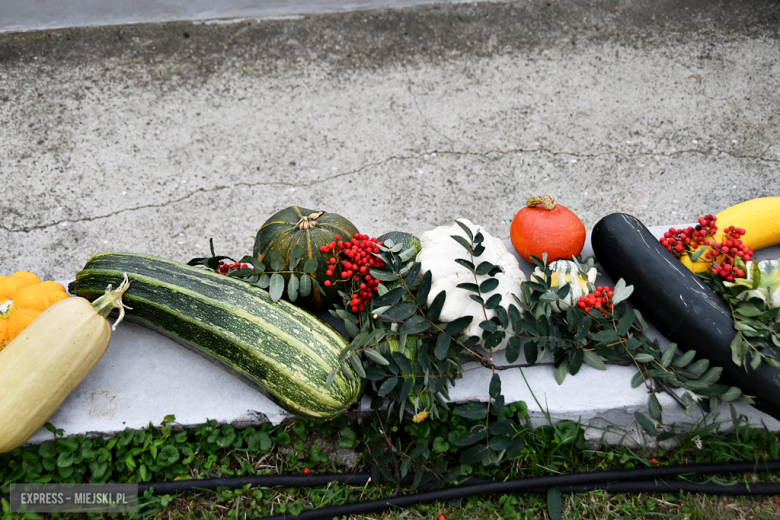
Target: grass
[{"x": 219, "y": 450}]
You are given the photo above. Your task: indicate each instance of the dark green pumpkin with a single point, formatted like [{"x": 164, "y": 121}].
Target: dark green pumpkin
[{"x": 312, "y": 230}]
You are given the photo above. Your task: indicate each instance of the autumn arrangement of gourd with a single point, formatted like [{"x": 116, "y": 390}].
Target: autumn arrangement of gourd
[{"x": 418, "y": 313}]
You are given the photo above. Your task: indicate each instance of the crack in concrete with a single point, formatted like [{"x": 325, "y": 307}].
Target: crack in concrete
[
  {"x": 359, "y": 170},
  {"x": 425, "y": 119}
]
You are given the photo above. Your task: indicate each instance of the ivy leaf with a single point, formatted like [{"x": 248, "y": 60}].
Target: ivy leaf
[{"x": 276, "y": 286}]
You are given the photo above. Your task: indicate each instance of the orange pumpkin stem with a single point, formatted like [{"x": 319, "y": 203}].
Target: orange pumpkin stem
[{"x": 547, "y": 200}]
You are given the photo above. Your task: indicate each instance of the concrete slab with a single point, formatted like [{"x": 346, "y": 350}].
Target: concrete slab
[
  {"x": 145, "y": 376},
  {"x": 155, "y": 138}
]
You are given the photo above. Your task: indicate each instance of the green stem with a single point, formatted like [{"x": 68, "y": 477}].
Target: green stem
[{"x": 111, "y": 300}]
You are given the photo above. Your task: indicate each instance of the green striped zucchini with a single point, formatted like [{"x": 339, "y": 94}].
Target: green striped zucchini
[{"x": 276, "y": 346}]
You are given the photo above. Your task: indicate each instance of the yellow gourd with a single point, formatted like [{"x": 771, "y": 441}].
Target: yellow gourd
[
  {"x": 760, "y": 218},
  {"x": 22, "y": 298},
  {"x": 41, "y": 366}
]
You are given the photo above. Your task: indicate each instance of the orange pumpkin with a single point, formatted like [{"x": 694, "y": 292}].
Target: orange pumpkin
[
  {"x": 546, "y": 227},
  {"x": 23, "y": 296}
]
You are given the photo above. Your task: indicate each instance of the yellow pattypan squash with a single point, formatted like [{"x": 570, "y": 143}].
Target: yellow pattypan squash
[{"x": 23, "y": 296}]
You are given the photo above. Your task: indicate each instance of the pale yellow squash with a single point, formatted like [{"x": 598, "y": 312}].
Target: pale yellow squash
[{"x": 41, "y": 366}]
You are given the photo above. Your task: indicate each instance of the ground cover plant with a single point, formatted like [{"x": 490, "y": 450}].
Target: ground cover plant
[{"x": 170, "y": 452}]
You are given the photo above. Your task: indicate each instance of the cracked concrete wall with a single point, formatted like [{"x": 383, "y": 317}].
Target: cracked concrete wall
[{"x": 155, "y": 138}]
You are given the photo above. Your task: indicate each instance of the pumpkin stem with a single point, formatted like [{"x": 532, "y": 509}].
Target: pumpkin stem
[
  {"x": 308, "y": 222},
  {"x": 547, "y": 200},
  {"x": 113, "y": 300}
]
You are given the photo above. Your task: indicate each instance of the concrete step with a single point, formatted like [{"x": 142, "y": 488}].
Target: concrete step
[{"x": 145, "y": 376}]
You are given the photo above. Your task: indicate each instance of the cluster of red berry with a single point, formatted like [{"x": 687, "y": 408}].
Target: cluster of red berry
[
  {"x": 226, "y": 267},
  {"x": 721, "y": 257},
  {"x": 354, "y": 259},
  {"x": 682, "y": 241},
  {"x": 597, "y": 300},
  {"x": 729, "y": 250}
]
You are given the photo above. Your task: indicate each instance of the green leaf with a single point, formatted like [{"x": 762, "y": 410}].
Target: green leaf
[
  {"x": 646, "y": 424},
  {"x": 644, "y": 357},
  {"x": 456, "y": 326},
  {"x": 295, "y": 256},
  {"x": 434, "y": 310},
  {"x": 413, "y": 273},
  {"x": 468, "y": 286},
  {"x": 495, "y": 386},
  {"x": 465, "y": 229},
  {"x": 358, "y": 366},
  {"x": 383, "y": 274},
  {"x": 472, "y": 436},
  {"x": 695, "y": 256},
  {"x": 347, "y": 438},
  {"x": 668, "y": 354},
  {"x": 554, "y": 503},
  {"x": 440, "y": 445},
  {"x": 415, "y": 325},
  {"x": 624, "y": 325},
  {"x": 654, "y": 407},
  {"x": 276, "y": 288},
  {"x": 560, "y": 371},
  {"x": 474, "y": 455},
  {"x": 390, "y": 298},
  {"x": 593, "y": 359},
  {"x": 621, "y": 292},
  {"x": 442, "y": 346},
  {"x": 376, "y": 357},
  {"x": 292, "y": 288},
  {"x": 606, "y": 336},
  {"x": 513, "y": 349},
  {"x": 465, "y": 263},
  {"x": 698, "y": 367},
  {"x": 488, "y": 285},
  {"x": 387, "y": 386},
  {"x": 403, "y": 363},
  {"x": 424, "y": 289},
  {"x": 305, "y": 286},
  {"x": 310, "y": 266},
  {"x": 463, "y": 242},
  {"x": 637, "y": 380},
  {"x": 401, "y": 311},
  {"x": 685, "y": 359},
  {"x": 493, "y": 302},
  {"x": 276, "y": 261},
  {"x": 476, "y": 411}
]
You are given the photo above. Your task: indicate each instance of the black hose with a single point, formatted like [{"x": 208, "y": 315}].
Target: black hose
[{"x": 576, "y": 481}]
